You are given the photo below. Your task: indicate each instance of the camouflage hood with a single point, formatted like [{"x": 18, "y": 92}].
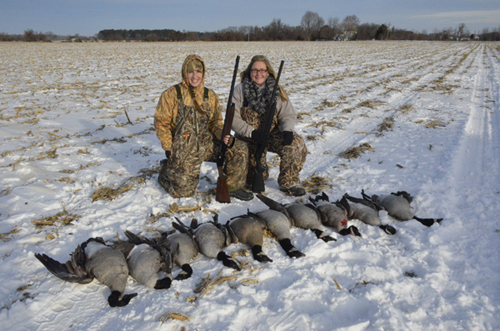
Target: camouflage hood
[{"x": 184, "y": 70}]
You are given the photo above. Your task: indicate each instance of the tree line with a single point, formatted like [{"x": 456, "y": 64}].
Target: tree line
[
  {"x": 312, "y": 27},
  {"x": 35, "y": 36}
]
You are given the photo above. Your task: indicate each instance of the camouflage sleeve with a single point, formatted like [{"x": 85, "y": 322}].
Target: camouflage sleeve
[
  {"x": 164, "y": 118},
  {"x": 216, "y": 124}
]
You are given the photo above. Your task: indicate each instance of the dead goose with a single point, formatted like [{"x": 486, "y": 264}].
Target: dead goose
[
  {"x": 94, "y": 259},
  {"x": 145, "y": 258},
  {"x": 301, "y": 216},
  {"x": 335, "y": 214},
  {"x": 211, "y": 238},
  {"x": 279, "y": 225},
  {"x": 184, "y": 248},
  {"x": 398, "y": 206},
  {"x": 366, "y": 211},
  {"x": 249, "y": 230}
]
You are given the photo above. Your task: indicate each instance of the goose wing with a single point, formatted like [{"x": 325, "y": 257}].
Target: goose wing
[{"x": 72, "y": 271}]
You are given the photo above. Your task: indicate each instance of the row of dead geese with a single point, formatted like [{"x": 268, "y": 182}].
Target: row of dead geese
[{"x": 144, "y": 258}]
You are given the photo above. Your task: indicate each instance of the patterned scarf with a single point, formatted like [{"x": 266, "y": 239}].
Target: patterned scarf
[{"x": 257, "y": 98}]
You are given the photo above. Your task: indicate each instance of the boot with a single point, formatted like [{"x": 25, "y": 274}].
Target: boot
[
  {"x": 295, "y": 191},
  {"x": 241, "y": 194}
]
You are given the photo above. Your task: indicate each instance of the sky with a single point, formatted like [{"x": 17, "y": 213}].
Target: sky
[{"x": 88, "y": 17}]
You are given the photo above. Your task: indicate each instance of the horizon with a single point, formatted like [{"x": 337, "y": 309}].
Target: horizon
[{"x": 89, "y": 17}]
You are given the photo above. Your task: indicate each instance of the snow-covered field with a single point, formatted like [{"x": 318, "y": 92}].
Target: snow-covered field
[{"x": 429, "y": 111}]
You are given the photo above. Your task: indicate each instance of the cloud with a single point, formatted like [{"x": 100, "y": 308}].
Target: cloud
[{"x": 471, "y": 17}]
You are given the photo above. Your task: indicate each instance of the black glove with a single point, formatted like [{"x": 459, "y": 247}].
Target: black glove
[
  {"x": 164, "y": 161},
  {"x": 260, "y": 136},
  {"x": 287, "y": 137}
]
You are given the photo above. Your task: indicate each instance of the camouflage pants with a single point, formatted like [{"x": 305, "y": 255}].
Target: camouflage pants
[
  {"x": 181, "y": 174},
  {"x": 292, "y": 159}
]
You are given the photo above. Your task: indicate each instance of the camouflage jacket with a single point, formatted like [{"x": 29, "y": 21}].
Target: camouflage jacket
[{"x": 166, "y": 110}]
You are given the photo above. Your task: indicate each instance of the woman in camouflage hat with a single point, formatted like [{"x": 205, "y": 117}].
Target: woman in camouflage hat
[
  {"x": 251, "y": 99},
  {"x": 188, "y": 123}
]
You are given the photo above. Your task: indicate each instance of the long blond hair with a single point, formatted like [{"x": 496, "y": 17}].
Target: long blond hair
[{"x": 269, "y": 68}]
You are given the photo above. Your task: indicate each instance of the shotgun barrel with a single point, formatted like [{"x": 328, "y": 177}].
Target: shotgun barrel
[{"x": 222, "y": 193}]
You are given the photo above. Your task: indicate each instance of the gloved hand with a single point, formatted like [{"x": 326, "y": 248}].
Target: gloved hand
[
  {"x": 260, "y": 136},
  {"x": 164, "y": 161},
  {"x": 287, "y": 137}
]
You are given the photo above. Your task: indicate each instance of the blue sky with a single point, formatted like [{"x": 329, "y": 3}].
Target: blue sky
[{"x": 88, "y": 17}]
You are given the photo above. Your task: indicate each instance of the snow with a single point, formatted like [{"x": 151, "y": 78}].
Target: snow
[{"x": 65, "y": 134}]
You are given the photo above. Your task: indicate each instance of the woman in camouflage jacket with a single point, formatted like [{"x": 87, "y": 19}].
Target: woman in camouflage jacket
[
  {"x": 251, "y": 99},
  {"x": 188, "y": 123}
]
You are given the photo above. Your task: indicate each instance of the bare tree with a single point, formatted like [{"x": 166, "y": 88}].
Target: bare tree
[
  {"x": 275, "y": 29},
  {"x": 334, "y": 24},
  {"x": 245, "y": 30},
  {"x": 311, "y": 23},
  {"x": 350, "y": 23},
  {"x": 462, "y": 31},
  {"x": 447, "y": 34}
]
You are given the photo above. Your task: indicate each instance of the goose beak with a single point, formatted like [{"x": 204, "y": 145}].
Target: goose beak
[{"x": 354, "y": 231}]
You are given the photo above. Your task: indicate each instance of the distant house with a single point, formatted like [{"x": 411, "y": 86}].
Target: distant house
[{"x": 346, "y": 36}]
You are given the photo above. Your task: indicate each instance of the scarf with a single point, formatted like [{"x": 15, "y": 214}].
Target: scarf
[{"x": 258, "y": 99}]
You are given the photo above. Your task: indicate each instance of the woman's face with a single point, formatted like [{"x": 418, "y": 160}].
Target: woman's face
[
  {"x": 259, "y": 73},
  {"x": 194, "y": 78}
]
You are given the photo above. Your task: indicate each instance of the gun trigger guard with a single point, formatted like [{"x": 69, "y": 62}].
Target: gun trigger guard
[{"x": 232, "y": 140}]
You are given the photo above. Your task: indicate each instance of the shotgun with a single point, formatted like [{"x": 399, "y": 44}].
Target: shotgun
[
  {"x": 258, "y": 179},
  {"x": 222, "y": 193}
]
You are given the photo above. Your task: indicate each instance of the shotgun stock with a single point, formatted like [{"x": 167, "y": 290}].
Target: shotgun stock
[
  {"x": 258, "y": 179},
  {"x": 222, "y": 192}
]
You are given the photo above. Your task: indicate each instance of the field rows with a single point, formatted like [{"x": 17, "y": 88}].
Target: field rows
[{"x": 345, "y": 92}]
